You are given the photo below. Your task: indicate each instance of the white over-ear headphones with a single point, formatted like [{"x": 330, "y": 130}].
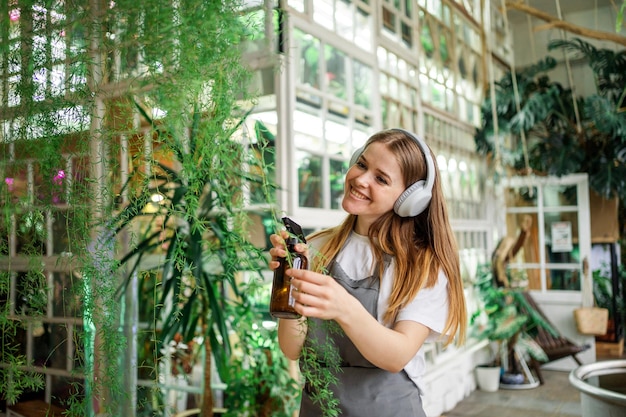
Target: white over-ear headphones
[{"x": 417, "y": 196}]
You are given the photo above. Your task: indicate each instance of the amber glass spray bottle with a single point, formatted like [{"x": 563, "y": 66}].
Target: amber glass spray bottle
[{"x": 281, "y": 302}]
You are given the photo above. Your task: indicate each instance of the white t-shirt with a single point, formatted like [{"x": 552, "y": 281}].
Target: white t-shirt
[{"x": 429, "y": 307}]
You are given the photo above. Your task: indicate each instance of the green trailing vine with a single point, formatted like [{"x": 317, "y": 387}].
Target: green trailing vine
[
  {"x": 320, "y": 360},
  {"x": 320, "y": 366}
]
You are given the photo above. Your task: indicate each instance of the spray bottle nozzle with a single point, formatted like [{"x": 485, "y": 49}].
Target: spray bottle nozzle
[{"x": 294, "y": 229}]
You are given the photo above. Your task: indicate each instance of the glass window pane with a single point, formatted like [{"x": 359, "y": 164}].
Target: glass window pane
[
  {"x": 555, "y": 195},
  {"x": 384, "y": 109},
  {"x": 323, "y": 12},
  {"x": 360, "y": 134},
  {"x": 407, "y": 34},
  {"x": 57, "y": 45},
  {"x": 40, "y": 82},
  {"x": 263, "y": 145},
  {"x": 14, "y": 98},
  {"x": 337, "y": 137},
  {"x": 521, "y": 197},
  {"x": 428, "y": 46},
  {"x": 63, "y": 387},
  {"x": 389, "y": 20},
  {"x": 14, "y": 62},
  {"x": 67, "y": 295},
  {"x": 308, "y": 129},
  {"x": 77, "y": 77},
  {"x": 393, "y": 88},
  {"x": 309, "y": 180},
  {"x": 363, "y": 81},
  {"x": 39, "y": 50},
  {"x": 254, "y": 39},
  {"x": 297, "y": 5},
  {"x": 55, "y": 342},
  {"x": 57, "y": 80},
  {"x": 5, "y": 234},
  {"x": 39, "y": 18},
  {"x": 363, "y": 30},
  {"x": 344, "y": 19},
  {"x": 308, "y": 62},
  {"x": 60, "y": 238},
  {"x": 51, "y": 185},
  {"x": 524, "y": 278},
  {"x": 384, "y": 88},
  {"x": 79, "y": 187},
  {"x": 336, "y": 71},
  {"x": 563, "y": 279},
  {"x": 31, "y": 233},
  {"x": 31, "y": 293},
  {"x": 338, "y": 170},
  {"x": 393, "y": 117}
]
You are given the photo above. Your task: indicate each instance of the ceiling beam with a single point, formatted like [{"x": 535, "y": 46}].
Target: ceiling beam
[{"x": 556, "y": 23}]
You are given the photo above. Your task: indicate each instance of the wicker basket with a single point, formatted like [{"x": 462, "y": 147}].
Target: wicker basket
[{"x": 591, "y": 321}]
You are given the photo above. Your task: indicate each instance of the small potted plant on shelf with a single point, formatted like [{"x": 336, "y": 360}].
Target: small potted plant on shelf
[{"x": 603, "y": 296}]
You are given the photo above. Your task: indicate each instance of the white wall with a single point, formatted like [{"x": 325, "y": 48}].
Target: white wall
[{"x": 452, "y": 378}]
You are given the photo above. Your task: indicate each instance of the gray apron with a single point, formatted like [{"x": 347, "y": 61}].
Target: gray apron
[{"x": 363, "y": 390}]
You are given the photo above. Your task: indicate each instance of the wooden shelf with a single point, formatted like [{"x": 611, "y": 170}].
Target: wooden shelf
[{"x": 34, "y": 408}]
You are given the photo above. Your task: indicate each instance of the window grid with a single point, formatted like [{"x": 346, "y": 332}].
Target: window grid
[{"x": 333, "y": 117}]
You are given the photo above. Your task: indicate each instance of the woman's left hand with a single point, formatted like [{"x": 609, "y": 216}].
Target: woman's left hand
[{"x": 318, "y": 295}]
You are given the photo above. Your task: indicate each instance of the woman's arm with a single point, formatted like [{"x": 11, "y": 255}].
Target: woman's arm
[
  {"x": 291, "y": 335},
  {"x": 321, "y": 296},
  {"x": 291, "y": 332}
]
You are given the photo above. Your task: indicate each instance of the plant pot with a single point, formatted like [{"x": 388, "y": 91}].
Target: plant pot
[
  {"x": 602, "y": 386},
  {"x": 488, "y": 378}
]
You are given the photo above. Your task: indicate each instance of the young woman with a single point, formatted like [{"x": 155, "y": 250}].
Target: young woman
[{"x": 388, "y": 276}]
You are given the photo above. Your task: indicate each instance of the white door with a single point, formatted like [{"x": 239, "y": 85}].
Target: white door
[{"x": 551, "y": 262}]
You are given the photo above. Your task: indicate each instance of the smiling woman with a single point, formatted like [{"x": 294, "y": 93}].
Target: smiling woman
[{"x": 383, "y": 278}]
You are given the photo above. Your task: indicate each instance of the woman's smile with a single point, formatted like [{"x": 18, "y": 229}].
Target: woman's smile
[{"x": 356, "y": 194}]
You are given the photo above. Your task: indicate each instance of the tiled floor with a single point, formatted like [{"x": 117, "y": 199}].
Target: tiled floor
[{"x": 555, "y": 398}]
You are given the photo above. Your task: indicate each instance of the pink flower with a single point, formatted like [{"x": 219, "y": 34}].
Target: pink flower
[
  {"x": 59, "y": 177},
  {"x": 10, "y": 182},
  {"x": 14, "y": 15}
]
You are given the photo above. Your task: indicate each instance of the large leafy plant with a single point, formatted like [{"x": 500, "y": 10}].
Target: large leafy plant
[
  {"x": 199, "y": 222},
  {"x": 558, "y": 143},
  {"x": 184, "y": 203}
]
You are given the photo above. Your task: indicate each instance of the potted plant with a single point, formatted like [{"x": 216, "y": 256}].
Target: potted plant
[
  {"x": 604, "y": 298},
  {"x": 507, "y": 320}
]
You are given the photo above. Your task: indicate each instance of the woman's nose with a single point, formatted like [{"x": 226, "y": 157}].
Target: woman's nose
[{"x": 362, "y": 178}]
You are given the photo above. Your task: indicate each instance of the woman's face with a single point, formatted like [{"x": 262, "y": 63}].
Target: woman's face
[{"x": 372, "y": 185}]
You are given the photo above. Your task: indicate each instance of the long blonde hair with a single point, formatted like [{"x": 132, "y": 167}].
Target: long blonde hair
[{"x": 433, "y": 245}]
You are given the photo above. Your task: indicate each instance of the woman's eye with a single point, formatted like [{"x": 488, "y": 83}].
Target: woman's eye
[
  {"x": 360, "y": 164},
  {"x": 381, "y": 180}
]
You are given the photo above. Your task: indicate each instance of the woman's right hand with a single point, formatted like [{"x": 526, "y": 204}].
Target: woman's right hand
[{"x": 279, "y": 248}]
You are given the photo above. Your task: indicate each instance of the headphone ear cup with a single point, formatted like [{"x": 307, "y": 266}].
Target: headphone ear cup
[{"x": 413, "y": 200}]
